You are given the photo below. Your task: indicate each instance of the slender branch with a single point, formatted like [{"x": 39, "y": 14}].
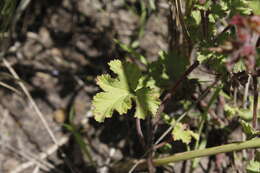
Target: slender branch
[
  {"x": 150, "y": 164},
  {"x": 169, "y": 95},
  {"x": 197, "y": 100},
  {"x": 223, "y": 31},
  {"x": 160, "y": 110},
  {"x": 253, "y": 143}
]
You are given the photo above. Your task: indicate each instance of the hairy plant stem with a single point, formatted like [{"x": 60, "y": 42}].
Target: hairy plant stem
[{"x": 253, "y": 143}]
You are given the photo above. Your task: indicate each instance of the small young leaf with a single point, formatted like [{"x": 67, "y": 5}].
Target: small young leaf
[
  {"x": 196, "y": 16},
  {"x": 180, "y": 133},
  {"x": 239, "y": 67},
  {"x": 249, "y": 130}
]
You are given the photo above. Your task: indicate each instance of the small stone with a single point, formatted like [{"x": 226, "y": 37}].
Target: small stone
[{"x": 59, "y": 116}]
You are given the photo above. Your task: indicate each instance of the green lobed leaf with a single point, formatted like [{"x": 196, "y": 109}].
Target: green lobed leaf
[
  {"x": 180, "y": 133},
  {"x": 119, "y": 93}
]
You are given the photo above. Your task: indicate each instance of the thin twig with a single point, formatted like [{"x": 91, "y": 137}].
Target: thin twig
[
  {"x": 135, "y": 165},
  {"x": 162, "y": 106},
  {"x": 10, "y": 88},
  {"x": 204, "y": 93},
  {"x": 169, "y": 95},
  {"x": 165, "y": 101},
  {"x": 139, "y": 132},
  {"x": 223, "y": 31},
  {"x": 249, "y": 144},
  {"x": 155, "y": 147},
  {"x": 150, "y": 165},
  {"x": 254, "y": 123}
]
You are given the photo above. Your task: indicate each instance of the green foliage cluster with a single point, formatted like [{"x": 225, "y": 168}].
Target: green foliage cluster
[{"x": 142, "y": 87}]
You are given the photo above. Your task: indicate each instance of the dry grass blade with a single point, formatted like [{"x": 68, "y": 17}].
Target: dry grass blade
[
  {"x": 10, "y": 88},
  {"x": 28, "y": 95}
]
